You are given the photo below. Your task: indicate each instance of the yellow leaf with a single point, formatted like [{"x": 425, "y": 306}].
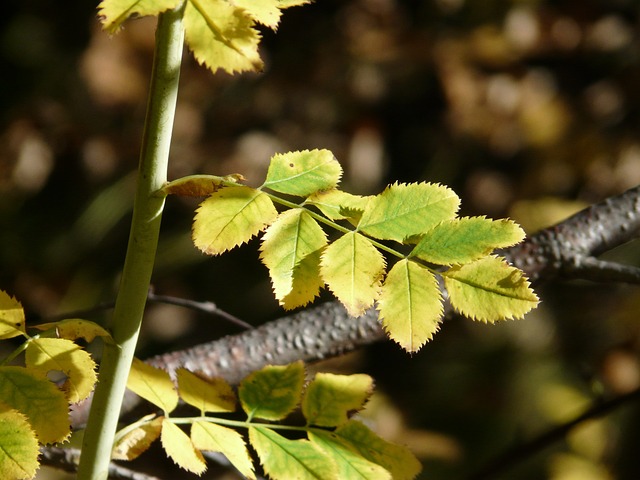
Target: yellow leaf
[
  {"x": 266, "y": 12},
  {"x": 75, "y": 328},
  {"x": 137, "y": 441},
  {"x": 207, "y": 395},
  {"x": 215, "y": 438},
  {"x": 353, "y": 268},
  {"x": 44, "y": 355},
  {"x": 18, "y": 445},
  {"x": 114, "y": 12},
  {"x": 180, "y": 449},
  {"x": 152, "y": 384},
  {"x": 11, "y": 317}
]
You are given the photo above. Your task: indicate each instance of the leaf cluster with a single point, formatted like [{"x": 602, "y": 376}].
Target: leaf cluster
[
  {"x": 336, "y": 446},
  {"x": 416, "y": 223}
]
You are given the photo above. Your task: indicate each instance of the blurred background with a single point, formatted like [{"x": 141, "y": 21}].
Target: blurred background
[{"x": 526, "y": 108}]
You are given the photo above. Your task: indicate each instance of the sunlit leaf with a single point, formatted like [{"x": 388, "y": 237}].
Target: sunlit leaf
[
  {"x": 398, "y": 460},
  {"x": 489, "y": 290},
  {"x": 11, "y": 316},
  {"x": 180, "y": 449},
  {"x": 207, "y": 395},
  {"x": 43, "y": 404},
  {"x": 284, "y": 459},
  {"x": 221, "y": 36},
  {"x": 152, "y": 384},
  {"x": 291, "y": 249},
  {"x": 349, "y": 463},
  {"x": 353, "y": 268},
  {"x": 131, "y": 445},
  {"x": 339, "y": 205},
  {"x": 230, "y": 217},
  {"x": 114, "y": 12},
  {"x": 466, "y": 239},
  {"x": 199, "y": 185},
  {"x": 75, "y": 328},
  {"x": 272, "y": 392},
  {"x": 292, "y": 3},
  {"x": 410, "y": 305},
  {"x": 266, "y": 12},
  {"x": 404, "y": 210},
  {"x": 18, "y": 445},
  {"x": 329, "y": 398},
  {"x": 215, "y": 438},
  {"x": 44, "y": 355},
  {"x": 303, "y": 173}
]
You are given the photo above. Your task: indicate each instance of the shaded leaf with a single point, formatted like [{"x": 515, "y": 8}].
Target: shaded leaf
[
  {"x": 19, "y": 448},
  {"x": 230, "y": 217},
  {"x": 114, "y": 12},
  {"x": 303, "y": 173},
  {"x": 131, "y": 445},
  {"x": 180, "y": 449},
  {"x": 338, "y": 205},
  {"x": 152, "y": 384},
  {"x": 215, "y": 438},
  {"x": 11, "y": 316},
  {"x": 489, "y": 289},
  {"x": 199, "y": 185},
  {"x": 207, "y": 395},
  {"x": 75, "y": 328},
  {"x": 410, "y": 305}
]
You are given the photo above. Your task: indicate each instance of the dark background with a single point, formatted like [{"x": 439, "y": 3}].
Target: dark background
[{"x": 528, "y": 109}]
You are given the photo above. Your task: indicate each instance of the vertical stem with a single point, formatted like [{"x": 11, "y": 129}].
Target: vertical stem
[{"x": 141, "y": 250}]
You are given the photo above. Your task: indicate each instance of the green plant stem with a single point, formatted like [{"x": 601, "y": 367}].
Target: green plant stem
[{"x": 141, "y": 251}]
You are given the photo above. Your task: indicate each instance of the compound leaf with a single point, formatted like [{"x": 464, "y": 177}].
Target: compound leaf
[
  {"x": 353, "y": 268},
  {"x": 272, "y": 392},
  {"x": 18, "y": 445},
  {"x": 410, "y": 305},
  {"x": 303, "y": 173},
  {"x": 230, "y": 217},
  {"x": 464, "y": 240},
  {"x": 208, "y": 395},
  {"x": 291, "y": 249},
  {"x": 282, "y": 458},
  {"x": 113, "y": 13},
  {"x": 11, "y": 317},
  {"x": 215, "y": 438},
  {"x": 221, "y": 36},
  {"x": 58, "y": 354},
  {"x": 131, "y": 445},
  {"x": 329, "y": 398},
  {"x": 405, "y": 210},
  {"x": 180, "y": 448},
  {"x": 489, "y": 290},
  {"x": 152, "y": 384},
  {"x": 74, "y": 328},
  {"x": 338, "y": 205}
]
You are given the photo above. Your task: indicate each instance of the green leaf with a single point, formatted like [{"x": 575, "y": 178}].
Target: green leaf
[
  {"x": 215, "y": 438},
  {"x": 134, "y": 443},
  {"x": 114, "y": 12},
  {"x": 403, "y": 210},
  {"x": 180, "y": 449},
  {"x": 353, "y": 268},
  {"x": 11, "y": 317},
  {"x": 75, "y": 328},
  {"x": 18, "y": 445},
  {"x": 464, "y": 240},
  {"x": 330, "y": 398},
  {"x": 349, "y": 463},
  {"x": 199, "y": 185},
  {"x": 273, "y": 391},
  {"x": 221, "y": 36},
  {"x": 398, "y": 460},
  {"x": 152, "y": 384},
  {"x": 489, "y": 290},
  {"x": 286, "y": 459},
  {"x": 207, "y": 395},
  {"x": 303, "y": 173},
  {"x": 58, "y": 354},
  {"x": 230, "y": 217},
  {"x": 410, "y": 305},
  {"x": 291, "y": 248},
  {"x": 338, "y": 205},
  {"x": 44, "y": 405}
]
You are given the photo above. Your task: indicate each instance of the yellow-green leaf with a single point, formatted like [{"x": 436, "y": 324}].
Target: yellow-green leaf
[
  {"x": 137, "y": 441},
  {"x": 398, "y": 460},
  {"x": 230, "y": 217},
  {"x": 18, "y": 445},
  {"x": 43, "y": 404},
  {"x": 199, "y": 185},
  {"x": 58, "y": 354},
  {"x": 221, "y": 36},
  {"x": 206, "y": 394},
  {"x": 11, "y": 317},
  {"x": 410, "y": 305},
  {"x": 353, "y": 268},
  {"x": 75, "y": 328},
  {"x": 152, "y": 384},
  {"x": 273, "y": 391},
  {"x": 329, "y": 398},
  {"x": 303, "y": 173},
  {"x": 350, "y": 463},
  {"x": 291, "y": 248},
  {"x": 464, "y": 240},
  {"x": 114, "y": 12},
  {"x": 405, "y": 210},
  {"x": 339, "y": 205},
  {"x": 285, "y": 459},
  {"x": 266, "y": 12},
  {"x": 180, "y": 448},
  {"x": 489, "y": 290},
  {"x": 215, "y": 438}
]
